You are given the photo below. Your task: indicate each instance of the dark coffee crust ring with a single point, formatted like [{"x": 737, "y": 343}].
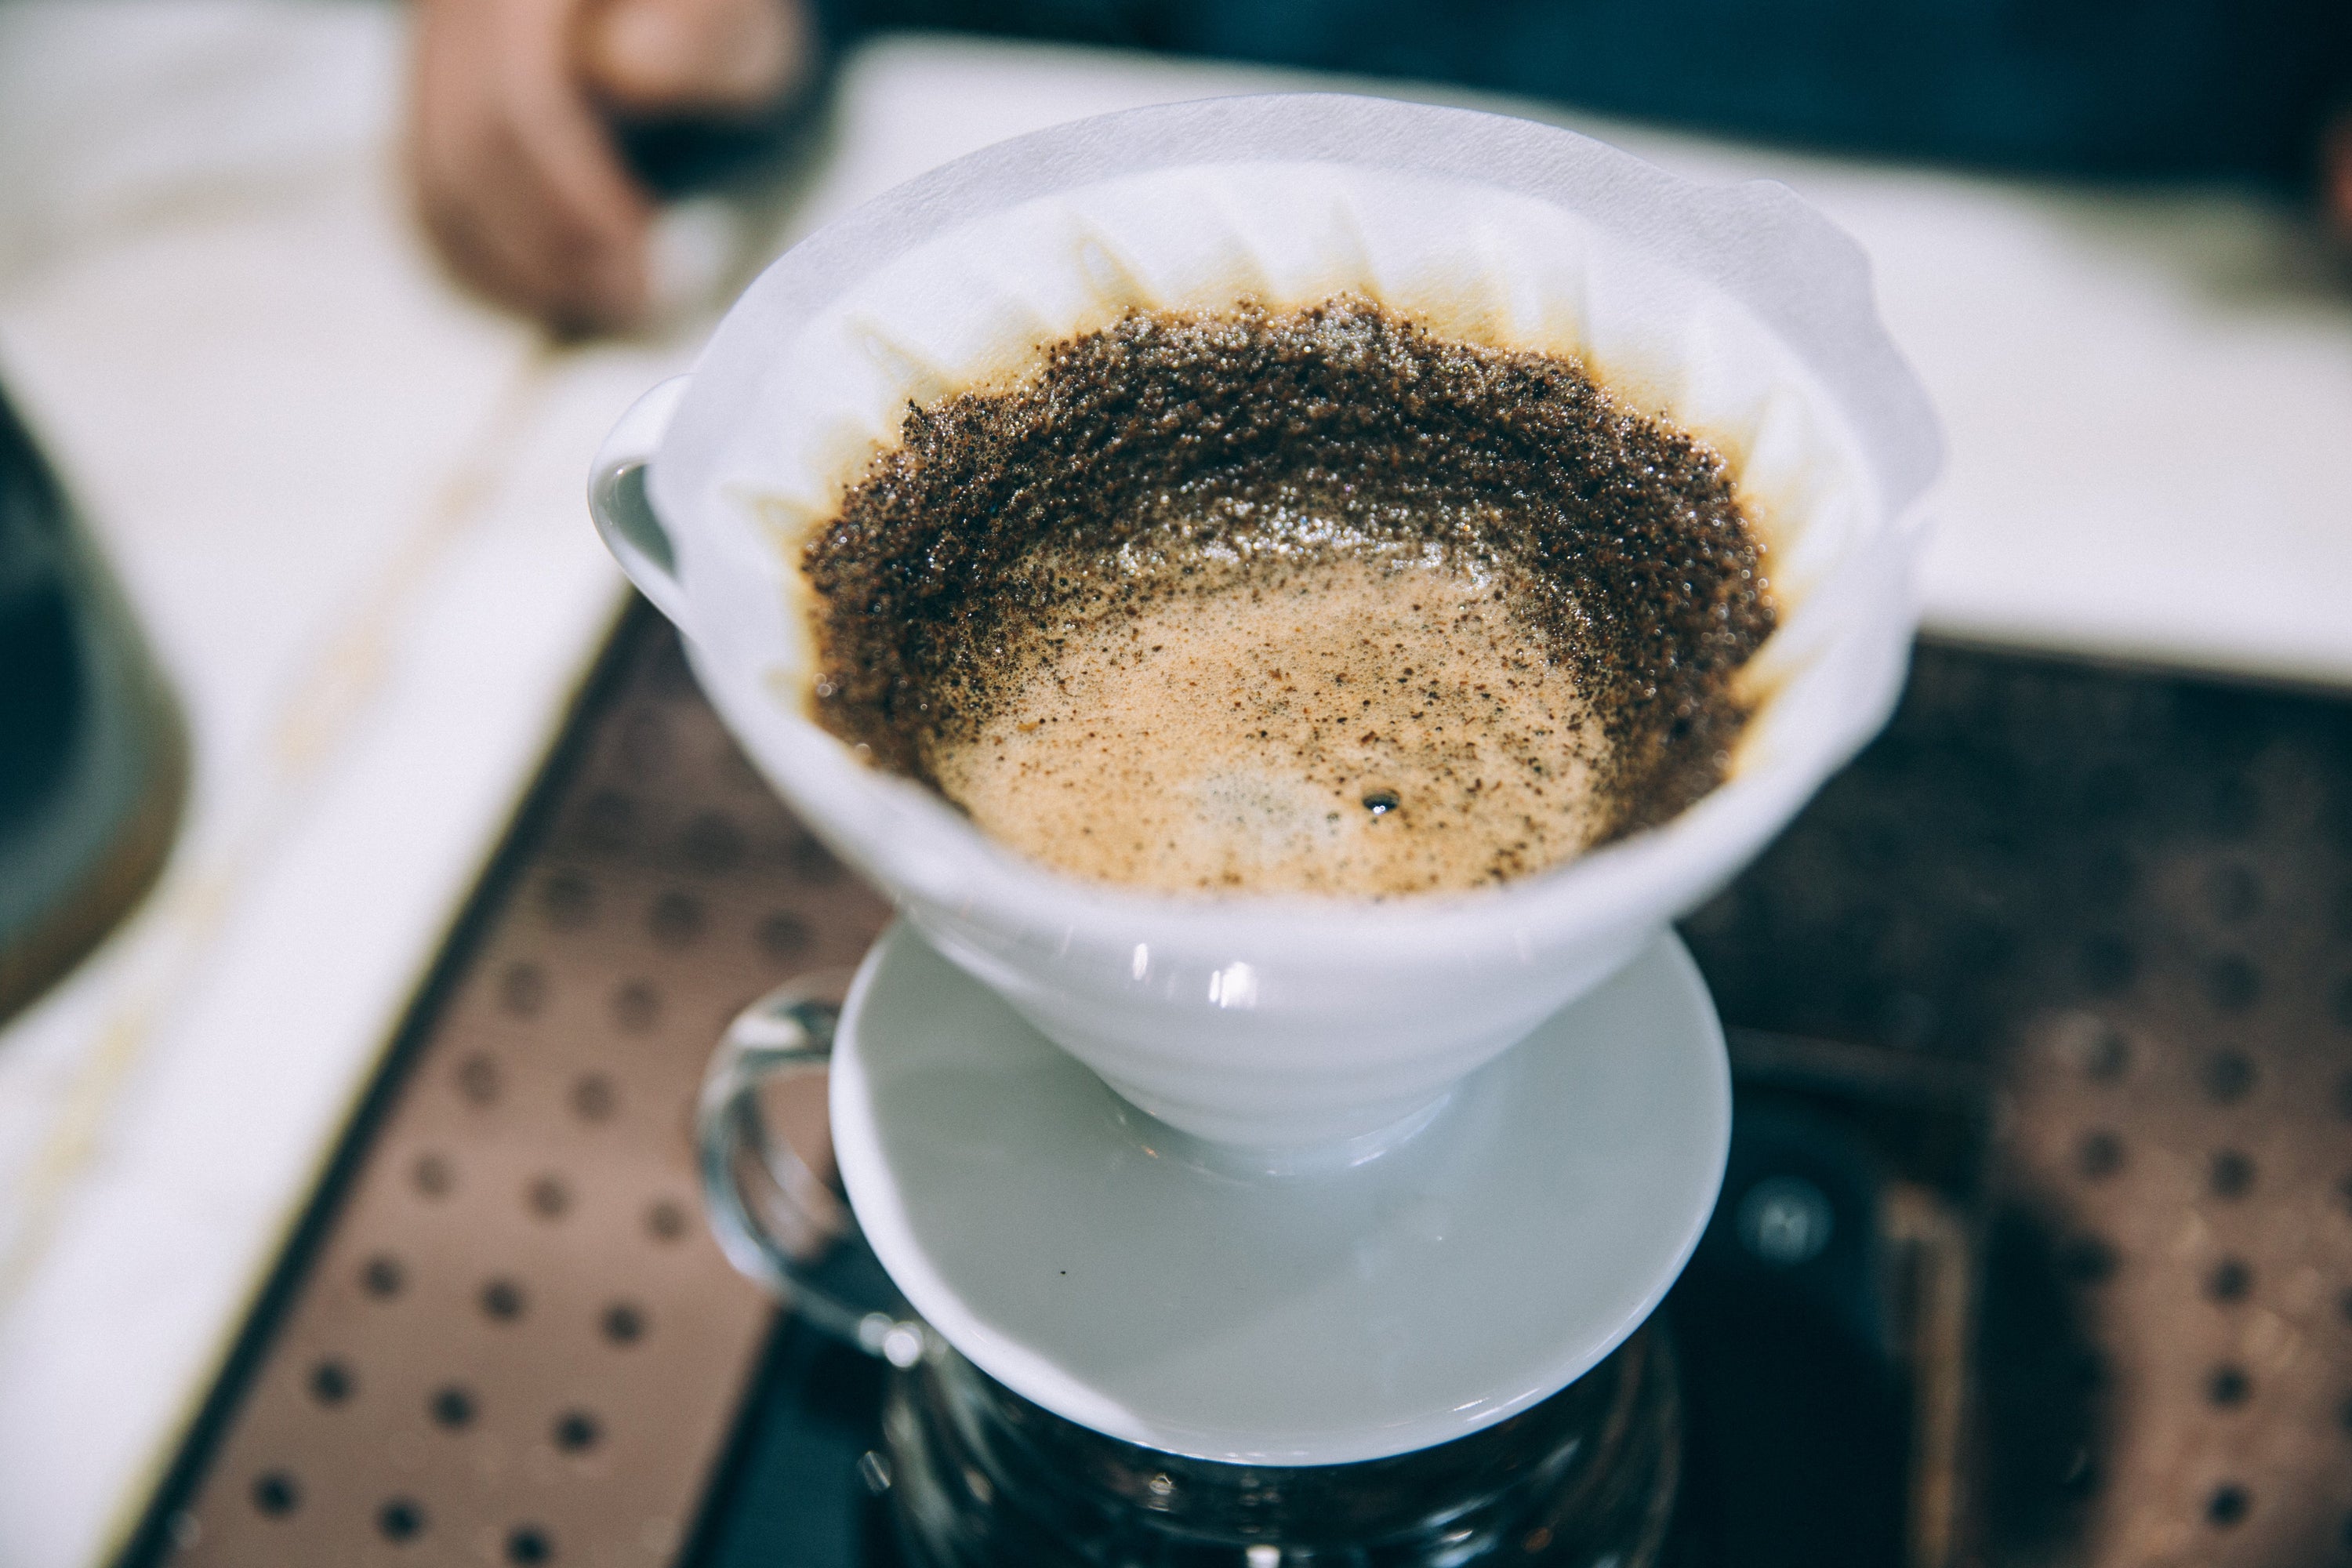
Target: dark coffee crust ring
[{"x": 1005, "y": 517}]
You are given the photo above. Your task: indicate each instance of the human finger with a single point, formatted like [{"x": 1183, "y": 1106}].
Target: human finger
[{"x": 515, "y": 174}]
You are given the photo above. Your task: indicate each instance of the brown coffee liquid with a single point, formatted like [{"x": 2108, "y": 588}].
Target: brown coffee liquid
[
  {"x": 1344, "y": 726},
  {"x": 1314, "y": 602}
]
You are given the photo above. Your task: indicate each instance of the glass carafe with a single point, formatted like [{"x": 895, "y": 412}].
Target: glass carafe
[{"x": 980, "y": 1476}]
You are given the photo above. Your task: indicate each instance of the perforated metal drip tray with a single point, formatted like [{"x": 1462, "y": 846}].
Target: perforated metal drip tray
[
  {"x": 503, "y": 1335},
  {"x": 2037, "y": 1243}
]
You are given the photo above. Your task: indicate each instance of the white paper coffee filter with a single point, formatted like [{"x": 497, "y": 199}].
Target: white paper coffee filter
[
  {"x": 973, "y": 308},
  {"x": 1737, "y": 312},
  {"x": 958, "y": 281}
]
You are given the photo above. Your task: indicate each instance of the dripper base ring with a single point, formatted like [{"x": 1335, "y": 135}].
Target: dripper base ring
[{"x": 1304, "y": 1320}]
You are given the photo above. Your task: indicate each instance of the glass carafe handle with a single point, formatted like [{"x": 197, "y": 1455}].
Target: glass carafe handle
[{"x": 777, "y": 1218}]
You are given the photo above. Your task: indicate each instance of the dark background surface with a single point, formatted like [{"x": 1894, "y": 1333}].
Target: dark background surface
[{"x": 2115, "y": 87}]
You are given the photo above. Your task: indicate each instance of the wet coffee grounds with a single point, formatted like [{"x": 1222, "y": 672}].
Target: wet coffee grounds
[{"x": 1313, "y": 600}]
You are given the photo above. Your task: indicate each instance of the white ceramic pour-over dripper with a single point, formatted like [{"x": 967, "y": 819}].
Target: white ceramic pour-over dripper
[
  {"x": 1288, "y": 1033},
  {"x": 1266, "y": 1022}
]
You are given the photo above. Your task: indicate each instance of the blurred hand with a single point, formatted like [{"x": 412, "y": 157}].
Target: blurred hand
[{"x": 518, "y": 175}]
